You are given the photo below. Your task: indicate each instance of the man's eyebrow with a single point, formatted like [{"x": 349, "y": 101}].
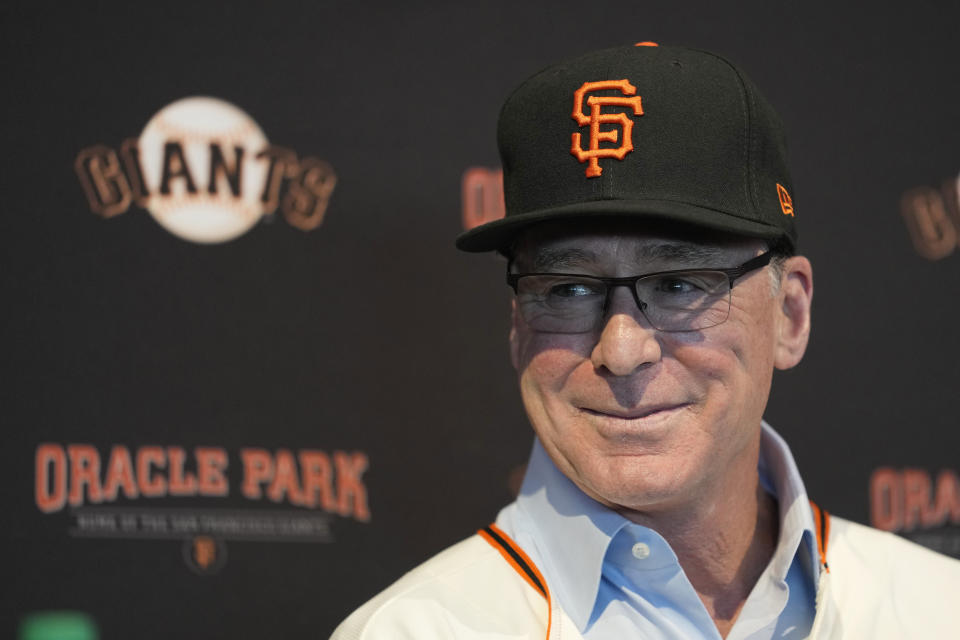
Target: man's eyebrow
[
  {"x": 570, "y": 258},
  {"x": 546, "y": 259},
  {"x": 674, "y": 252}
]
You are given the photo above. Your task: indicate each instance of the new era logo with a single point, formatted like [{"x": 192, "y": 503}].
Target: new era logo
[{"x": 786, "y": 202}]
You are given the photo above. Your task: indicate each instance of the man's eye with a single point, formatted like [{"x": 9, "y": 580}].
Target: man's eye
[
  {"x": 573, "y": 290},
  {"x": 675, "y": 285}
]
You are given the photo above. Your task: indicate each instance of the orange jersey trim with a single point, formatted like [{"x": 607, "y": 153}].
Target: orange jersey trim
[
  {"x": 821, "y": 521},
  {"x": 520, "y": 562}
]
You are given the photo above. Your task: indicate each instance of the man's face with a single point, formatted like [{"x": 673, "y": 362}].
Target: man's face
[{"x": 645, "y": 419}]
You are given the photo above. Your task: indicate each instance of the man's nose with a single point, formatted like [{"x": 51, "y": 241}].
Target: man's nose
[{"x": 627, "y": 340}]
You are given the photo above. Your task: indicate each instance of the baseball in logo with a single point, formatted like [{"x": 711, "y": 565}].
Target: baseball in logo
[
  {"x": 206, "y": 172},
  {"x": 594, "y": 151},
  {"x": 187, "y": 136}
]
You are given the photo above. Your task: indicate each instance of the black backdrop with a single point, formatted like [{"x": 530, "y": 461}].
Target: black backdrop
[{"x": 370, "y": 335}]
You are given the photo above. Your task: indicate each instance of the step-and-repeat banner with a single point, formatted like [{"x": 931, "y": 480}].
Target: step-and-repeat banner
[{"x": 248, "y": 379}]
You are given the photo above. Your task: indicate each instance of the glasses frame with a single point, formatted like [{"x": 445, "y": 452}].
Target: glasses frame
[{"x": 630, "y": 282}]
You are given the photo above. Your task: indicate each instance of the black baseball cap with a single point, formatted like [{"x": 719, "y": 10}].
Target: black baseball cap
[{"x": 660, "y": 133}]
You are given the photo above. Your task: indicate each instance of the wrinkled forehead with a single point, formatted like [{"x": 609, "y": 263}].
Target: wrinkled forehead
[{"x": 557, "y": 246}]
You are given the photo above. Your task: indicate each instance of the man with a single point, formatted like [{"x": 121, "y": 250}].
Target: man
[{"x": 650, "y": 237}]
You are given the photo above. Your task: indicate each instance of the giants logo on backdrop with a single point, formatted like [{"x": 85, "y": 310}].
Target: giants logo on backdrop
[
  {"x": 932, "y": 217},
  {"x": 916, "y": 504},
  {"x": 206, "y": 173},
  {"x": 108, "y": 494},
  {"x": 204, "y": 554},
  {"x": 594, "y": 152}
]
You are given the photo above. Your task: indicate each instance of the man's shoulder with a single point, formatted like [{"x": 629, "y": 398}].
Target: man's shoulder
[
  {"x": 468, "y": 590},
  {"x": 884, "y": 582},
  {"x": 856, "y": 546}
]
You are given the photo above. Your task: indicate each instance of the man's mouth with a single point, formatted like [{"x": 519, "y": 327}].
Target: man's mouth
[{"x": 639, "y": 413}]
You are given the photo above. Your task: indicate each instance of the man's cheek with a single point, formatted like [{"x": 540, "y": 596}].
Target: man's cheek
[
  {"x": 708, "y": 360},
  {"x": 541, "y": 370},
  {"x": 543, "y": 352},
  {"x": 555, "y": 356}
]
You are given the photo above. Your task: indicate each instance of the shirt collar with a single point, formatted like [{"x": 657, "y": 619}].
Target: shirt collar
[
  {"x": 781, "y": 478},
  {"x": 573, "y": 531}
]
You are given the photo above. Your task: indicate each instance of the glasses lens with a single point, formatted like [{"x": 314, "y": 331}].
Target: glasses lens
[
  {"x": 676, "y": 301},
  {"x": 685, "y": 300},
  {"x": 560, "y": 304}
]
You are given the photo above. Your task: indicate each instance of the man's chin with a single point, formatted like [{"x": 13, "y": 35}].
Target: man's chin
[{"x": 634, "y": 491}]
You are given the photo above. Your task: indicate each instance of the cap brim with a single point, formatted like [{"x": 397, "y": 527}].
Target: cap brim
[{"x": 499, "y": 234}]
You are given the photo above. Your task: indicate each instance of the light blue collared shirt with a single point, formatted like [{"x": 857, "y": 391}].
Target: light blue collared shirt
[{"x": 617, "y": 579}]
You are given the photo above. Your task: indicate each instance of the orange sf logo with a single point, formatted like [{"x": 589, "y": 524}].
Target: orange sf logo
[
  {"x": 596, "y": 118},
  {"x": 204, "y": 551}
]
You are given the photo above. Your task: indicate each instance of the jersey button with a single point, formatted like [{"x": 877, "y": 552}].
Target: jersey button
[{"x": 641, "y": 551}]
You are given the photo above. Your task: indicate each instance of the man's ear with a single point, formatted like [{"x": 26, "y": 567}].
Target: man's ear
[
  {"x": 793, "y": 316},
  {"x": 514, "y": 345}
]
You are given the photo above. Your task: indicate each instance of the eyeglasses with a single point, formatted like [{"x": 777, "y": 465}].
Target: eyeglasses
[{"x": 682, "y": 300}]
